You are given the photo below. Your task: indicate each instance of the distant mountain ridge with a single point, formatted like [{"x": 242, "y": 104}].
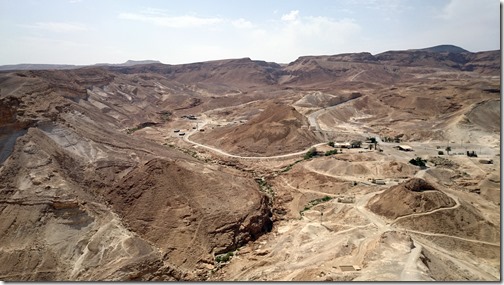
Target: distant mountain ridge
[
  {"x": 129, "y": 63},
  {"x": 441, "y": 56},
  {"x": 29, "y": 66}
]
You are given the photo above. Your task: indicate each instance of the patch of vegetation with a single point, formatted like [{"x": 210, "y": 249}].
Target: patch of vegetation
[
  {"x": 225, "y": 257},
  {"x": 266, "y": 188},
  {"x": 330, "y": 144},
  {"x": 331, "y": 152},
  {"x": 289, "y": 167},
  {"x": 165, "y": 116},
  {"x": 315, "y": 202},
  {"x": 418, "y": 161},
  {"x": 311, "y": 153},
  {"x": 440, "y": 152},
  {"x": 129, "y": 131},
  {"x": 139, "y": 127}
]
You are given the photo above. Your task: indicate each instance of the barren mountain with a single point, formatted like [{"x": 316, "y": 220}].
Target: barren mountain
[
  {"x": 278, "y": 129},
  {"x": 200, "y": 171}
]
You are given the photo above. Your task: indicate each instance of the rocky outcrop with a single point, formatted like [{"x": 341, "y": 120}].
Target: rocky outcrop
[{"x": 190, "y": 216}]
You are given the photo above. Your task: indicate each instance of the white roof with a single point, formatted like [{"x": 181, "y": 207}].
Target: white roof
[{"x": 405, "y": 146}]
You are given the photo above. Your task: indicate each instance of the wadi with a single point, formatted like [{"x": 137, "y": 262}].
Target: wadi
[{"x": 347, "y": 167}]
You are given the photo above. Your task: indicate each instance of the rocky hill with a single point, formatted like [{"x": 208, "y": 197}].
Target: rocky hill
[{"x": 278, "y": 129}]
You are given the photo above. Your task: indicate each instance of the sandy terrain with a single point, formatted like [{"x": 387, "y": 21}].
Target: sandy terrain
[{"x": 223, "y": 170}]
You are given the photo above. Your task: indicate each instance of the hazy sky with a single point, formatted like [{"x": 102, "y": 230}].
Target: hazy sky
[{"x": 113, "y": 31}]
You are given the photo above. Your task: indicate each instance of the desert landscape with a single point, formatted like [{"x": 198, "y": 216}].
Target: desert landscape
[{"x": 347, "y": 167}]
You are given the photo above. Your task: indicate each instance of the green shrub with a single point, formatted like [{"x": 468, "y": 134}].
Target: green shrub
[
  {"x": 326, "y": 198},
  {"x": 311, "y": 153},
  {"x": 224, "y": 257},
  {"x": 331, "y": 152},
  {"x": 418, "y": 161},
  {"x": 165, "y": 115},
  {"x": 440, "y": 152},
  {"x": 331, "y": 144},
  {"x": 289, "y": 167},
  {"x": 314, "y": 203}
]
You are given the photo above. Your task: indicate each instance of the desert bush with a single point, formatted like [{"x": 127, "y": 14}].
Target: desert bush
[
  {"x": 289, "y": 167},
  {"x": 331, "y": 152},
  {"x": 311, "y": 153},
  {"x": 314, "y": 203},
  {"x": 224, "y": 257},
  {"x": 418, "y": 161},
  {"x": 326, "y": 198}
]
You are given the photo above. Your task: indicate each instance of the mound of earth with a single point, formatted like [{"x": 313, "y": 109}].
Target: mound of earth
[
  {"x": 279, "y": 129},
  {"x": 413, "y": 196}
]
